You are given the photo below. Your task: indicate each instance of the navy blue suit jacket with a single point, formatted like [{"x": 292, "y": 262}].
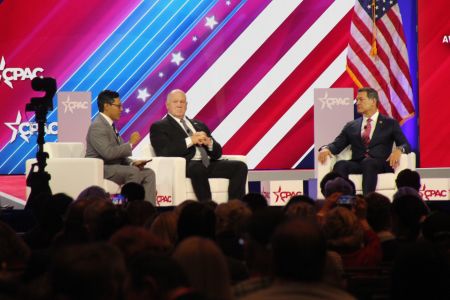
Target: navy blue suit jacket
[
  {"x": 168, "y": 139},
  {"x": 387, "y": 131}
]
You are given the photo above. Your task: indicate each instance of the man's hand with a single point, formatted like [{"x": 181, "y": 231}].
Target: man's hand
[
  {"x": 140, "y": 163},
  {"x": 200, "y": 138},
  {"x": 324, "y": 154},
  {"x": 394, "y": 158},
  {"x": 134, "y": 138}
]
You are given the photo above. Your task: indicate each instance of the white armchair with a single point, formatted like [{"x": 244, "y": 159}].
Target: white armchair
[
  {"x": 386, "y": 181},
  {"x": 71, "y": 172},
  {"x": 172, "y": 185}
]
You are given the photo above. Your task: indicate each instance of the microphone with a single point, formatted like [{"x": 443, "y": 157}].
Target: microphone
[{"x": 365, "y": 127}]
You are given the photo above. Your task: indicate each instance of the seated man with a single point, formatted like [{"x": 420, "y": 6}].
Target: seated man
[
  {"x": 371, "y": 139},
  {"x": 103, "y": 141},
  {"x": 177, "y": 135}
]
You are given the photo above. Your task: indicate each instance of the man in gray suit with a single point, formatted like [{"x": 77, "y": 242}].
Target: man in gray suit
[{"x": 104, "y": 142}]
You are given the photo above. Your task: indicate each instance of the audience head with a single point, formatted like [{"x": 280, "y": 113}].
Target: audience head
[
  {"x": 408, "y": 212},
  {"x": 133, "y": 240},
  {"x": 140, "y": 212},
  {"x": 155, "y": 277},
  {"x": 255, "y": 201},
  {"x": 408, "y": 178},
  {"x": 165, "y": 227},
  {"x": 231, "y": 216},
  {"x": 102, "y": 219},
  {"x": 343, "y": 230},
  {"x": 93, "y": 192},
  {"x": 196, "y": 219},
  {"x": 106, "y": 97},
  {"x": 299, "y": 251},
  {"x": 301, "y": 206},
  {"x": 258, "y": 234},
  {"x": 340, "y": 185},
  {"x": 205, "y": 266},
  {"x": 329, "y": 176},
  {"x": 378, "y": 212},
  {"x": 94, "y": 271},
  {"x": 133, "y": 191}
]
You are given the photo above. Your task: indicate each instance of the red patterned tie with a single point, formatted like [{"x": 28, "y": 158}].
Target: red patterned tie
[{"x": 366, "y": 133}]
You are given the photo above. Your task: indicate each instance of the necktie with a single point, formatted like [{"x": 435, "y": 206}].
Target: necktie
[
  {"x": 115, "y": 130},
  {"x": 204, "y": 156},
  {"x": 366, "y": 133}
]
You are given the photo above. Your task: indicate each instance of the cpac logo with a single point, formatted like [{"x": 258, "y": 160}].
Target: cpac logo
[
  {"x": 285, "y": 195},
  {"x": 74, "y": 105},
  {"x": 432, "y": 194},
  {"x": 329, "y": 102},
  {"x": 13, "y": 74},
  {"x": 26, "y": 129},
  {"x": 163, "y": 199}
]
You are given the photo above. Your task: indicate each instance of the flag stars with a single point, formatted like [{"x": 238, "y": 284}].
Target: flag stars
[
  {"x": 143, "y": 94},
  {"x": 211, "y": 22},
  {"x": 228, "y": 2},
  {"x": 160, "y": 74},
  {"x": 177, "y": 58},
  {"x": 194, "y": 38},
  {"x": 127, "y": 110}
]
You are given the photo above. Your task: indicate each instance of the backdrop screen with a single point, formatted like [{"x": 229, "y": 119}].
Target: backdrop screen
[{"x": 249, "y": 67}]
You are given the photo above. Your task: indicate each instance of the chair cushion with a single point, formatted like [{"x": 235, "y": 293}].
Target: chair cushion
[
  {"x": 386, "y": 181},
  {"x": 218, "y": 185}
]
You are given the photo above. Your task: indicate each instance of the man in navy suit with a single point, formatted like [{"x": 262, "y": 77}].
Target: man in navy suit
[
  {"x": 177, "y": 135},
  {"x": 371, "y": 138}
]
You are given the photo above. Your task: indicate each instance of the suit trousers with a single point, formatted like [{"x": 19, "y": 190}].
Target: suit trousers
[
  {"x": 369, "y": 168},
  {"x": 235, "y": 171},
  {"x": 124, "y": 174}
]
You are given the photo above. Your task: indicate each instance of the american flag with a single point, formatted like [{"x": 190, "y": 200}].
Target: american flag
[{"x": 378, "y": 57}]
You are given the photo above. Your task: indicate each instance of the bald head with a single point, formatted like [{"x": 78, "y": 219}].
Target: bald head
[{"x": 176, "y": 103}]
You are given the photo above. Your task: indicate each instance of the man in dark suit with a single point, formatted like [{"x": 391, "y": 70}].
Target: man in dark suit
[
  {"x": 177, "y": 135},
  {"x": 103, "y": 141},
  {"x": 371, "y": 139}
]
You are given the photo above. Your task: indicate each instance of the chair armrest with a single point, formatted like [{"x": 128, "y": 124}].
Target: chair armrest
[
  {"x": 72, "y": 175},
  {"x": 170, "y": 176},
  {"x": 407, "y": 161}
]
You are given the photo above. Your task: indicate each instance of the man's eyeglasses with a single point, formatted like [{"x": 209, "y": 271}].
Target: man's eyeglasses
[{"x": 118, "y": 105}]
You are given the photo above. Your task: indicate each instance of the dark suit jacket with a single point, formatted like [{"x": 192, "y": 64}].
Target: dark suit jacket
[
  {"x": 387, "y": 131},
  {"x": 168, "y": 139}
]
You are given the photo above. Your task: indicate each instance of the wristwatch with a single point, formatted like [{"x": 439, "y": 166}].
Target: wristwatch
[{"x": 402, "y": 149}]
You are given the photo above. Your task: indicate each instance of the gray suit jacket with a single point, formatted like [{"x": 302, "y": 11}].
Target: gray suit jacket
[{"x": 102, "y": 142}]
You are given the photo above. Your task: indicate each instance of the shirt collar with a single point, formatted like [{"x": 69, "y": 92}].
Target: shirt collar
[
  {"x": 178, "y": 119},
  {"x": 374, "y": 118},
  {"x": 108, "y": 119}
]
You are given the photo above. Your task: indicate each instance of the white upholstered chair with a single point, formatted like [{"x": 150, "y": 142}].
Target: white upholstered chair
[
  {"x": 172, "y": 185},
  {"x": 71, "y": 172},
  {"x": 386, "y": 181}
]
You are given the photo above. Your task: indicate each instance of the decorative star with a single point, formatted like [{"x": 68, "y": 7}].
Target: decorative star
[
  {"x": 228, "y": 2},
  {"x": 211, "y": 22},
  {"x": 143, "y": 94},
  {"x": 278, "y": 194},
  {"x": 127, "y": 110},
  {"x": 161, "y": 74},
  {"x": 194, "y": 38},
  {"x": 177, "y": 58},
  {"x": 12, "y": 126}
]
